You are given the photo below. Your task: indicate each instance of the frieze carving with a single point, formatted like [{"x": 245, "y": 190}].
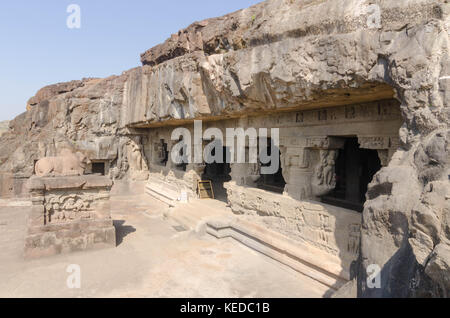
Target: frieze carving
[
  {"x": 69, "y": 214},
  {"x": 66, "y": 207},
  {"x": 325, "y": 143},
  {"x": 369, "y": 111},
  {"x": 318, "y": 142},
  {"x": 375, "y": 143}
]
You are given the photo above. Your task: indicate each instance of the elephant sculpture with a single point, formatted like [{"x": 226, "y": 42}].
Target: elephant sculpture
[{"x": 67, "y": 164}]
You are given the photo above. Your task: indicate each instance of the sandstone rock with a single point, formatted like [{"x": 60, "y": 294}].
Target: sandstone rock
[
  {"x": 277, "y": 56},
  {"x": 439, "y": 266},
  {"x": 48, "y": 92},
  {"x": 4, "y": 127}
]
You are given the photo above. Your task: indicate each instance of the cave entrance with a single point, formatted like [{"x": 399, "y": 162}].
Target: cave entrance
[
  {"x": 219, "y": 173},
  {"x": 272, "y": 182},
  {"x": 355, "y": 169},
  {"x": 99, "y": 168}
]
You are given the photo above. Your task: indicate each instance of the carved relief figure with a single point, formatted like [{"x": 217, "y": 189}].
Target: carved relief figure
[
  {"x": 325, "y": 171},
  {"x": 65, "y": 208},
  {"x": 67, "y": 164},
  {"x": 136, "y": 160},
  {"x": 325, "y": 176}
]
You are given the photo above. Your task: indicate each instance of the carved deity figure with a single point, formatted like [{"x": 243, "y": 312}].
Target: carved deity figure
[
  {"x": 325, "y": 176},
  {"x": 135, "y": 158},
  {"x": 325, "y": 172}
]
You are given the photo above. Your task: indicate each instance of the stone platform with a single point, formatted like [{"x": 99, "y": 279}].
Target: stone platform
[{"x": 69, "y": 214}]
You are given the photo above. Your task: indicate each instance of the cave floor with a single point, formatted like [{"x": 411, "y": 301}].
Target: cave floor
[{"x": 154, "y": 258}]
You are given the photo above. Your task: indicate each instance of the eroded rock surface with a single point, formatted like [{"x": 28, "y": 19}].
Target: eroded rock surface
[
  {"x": 276, "y": 56},
  {"x": 4, "y": 127}
]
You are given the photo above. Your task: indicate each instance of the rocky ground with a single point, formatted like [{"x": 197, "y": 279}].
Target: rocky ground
[{"x": 152, "y": 259}]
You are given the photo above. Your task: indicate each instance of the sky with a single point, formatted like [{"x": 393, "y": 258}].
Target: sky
[{"x": 37, "y": 48}]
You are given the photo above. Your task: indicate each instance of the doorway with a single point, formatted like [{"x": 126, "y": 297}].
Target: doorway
[
  {"x": 218, "y": 173},
  {"x": 355, "y": 169},
  {"x": 272, "y": 182},
  {"x": 99, "y": 168}
]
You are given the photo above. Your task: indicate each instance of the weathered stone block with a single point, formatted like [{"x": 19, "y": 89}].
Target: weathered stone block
[{"x": 69, "y": 214}]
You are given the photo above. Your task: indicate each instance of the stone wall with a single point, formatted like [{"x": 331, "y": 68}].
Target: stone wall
[
  {"x": 331, "y": 229},
  {"x": 304, "y": 136},
  {"x": 296, "y": 56},
  {"x": 285, "y": 54},
  {"x": 69, "y": 214}
]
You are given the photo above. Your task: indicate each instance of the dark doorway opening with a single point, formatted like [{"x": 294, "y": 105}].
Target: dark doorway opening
[
  {"x": 218, "y": 173},
  {"x": 182, "y": 156},
  {"x": 98, "y": 168},
  {"x": 272, "y": 182},
  {"x": 162, "y": 153},
  {"x": 355, "y": 169}
]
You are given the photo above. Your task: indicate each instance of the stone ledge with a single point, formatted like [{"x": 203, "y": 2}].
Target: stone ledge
[
  {"x": 68, "y": 241},
  {"x": 303, "y": 258},
  {"x": 73, "y": 182}
]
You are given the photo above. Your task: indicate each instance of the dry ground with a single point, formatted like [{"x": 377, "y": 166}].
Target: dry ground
[{"x": 152, "y": 259}]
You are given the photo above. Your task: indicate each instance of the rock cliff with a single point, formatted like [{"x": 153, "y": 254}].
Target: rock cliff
[
  {"x": 4, "y": 127},
  {"x": 285, "y": 55}
]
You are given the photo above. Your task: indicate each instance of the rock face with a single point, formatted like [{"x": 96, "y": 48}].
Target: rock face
[
  {"x": 4, "y": 127},
  {"x": 81, "y": 116},
  {"x": 284, "y": 55}
]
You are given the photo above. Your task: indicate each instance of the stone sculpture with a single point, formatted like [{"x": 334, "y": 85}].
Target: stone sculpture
[
  {"x": 325, "y": 178},
  {"x": 67, "y": 164}
]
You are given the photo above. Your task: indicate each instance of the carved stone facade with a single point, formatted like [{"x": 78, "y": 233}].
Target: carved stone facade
[
  {"x": 331, "y": 229},
  {"x": 310, "y": 142},
  {"x": 69, "y": 214}
]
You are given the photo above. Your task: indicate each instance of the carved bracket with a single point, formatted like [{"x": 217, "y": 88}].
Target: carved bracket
[
  {"x": 375, "y": 143},
  {"x": 325, "y": 143}
]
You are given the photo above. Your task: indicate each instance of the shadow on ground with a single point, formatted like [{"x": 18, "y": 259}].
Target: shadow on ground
[{"x": 122, "y": 231}]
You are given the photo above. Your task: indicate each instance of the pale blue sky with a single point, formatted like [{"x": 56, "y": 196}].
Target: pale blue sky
[{"x": 37, "y": 48}]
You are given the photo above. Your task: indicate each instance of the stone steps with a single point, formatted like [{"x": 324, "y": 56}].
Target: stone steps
[
  {"x": 194, "y": 215},
  {"x": 163, "y": 192},
  {"x": 302, "y": 257},
  {"x": 212, "y": 217}
]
